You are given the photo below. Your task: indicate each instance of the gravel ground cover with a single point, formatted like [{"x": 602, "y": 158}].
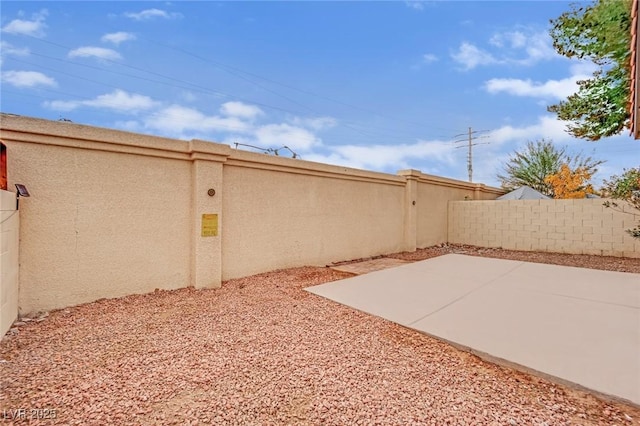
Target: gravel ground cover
[{"x": 261, "y": 351}]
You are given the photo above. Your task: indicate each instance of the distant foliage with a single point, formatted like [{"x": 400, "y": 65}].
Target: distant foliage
[
  {"x": 531, "y": 166},
  {"x": 568, "y": 184},
  {"x": 624, "y": 187},
  {"x": 600, "y": 33}
]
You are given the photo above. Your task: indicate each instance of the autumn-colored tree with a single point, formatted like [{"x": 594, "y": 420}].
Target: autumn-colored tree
[
  {"x": 569, "y": 183},
  {"x": 532, "y": 164}
]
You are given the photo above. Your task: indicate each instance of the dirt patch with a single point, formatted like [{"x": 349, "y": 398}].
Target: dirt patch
[
  {"x": 364, "y": 267},
  {"x": 605, "y": 263}
]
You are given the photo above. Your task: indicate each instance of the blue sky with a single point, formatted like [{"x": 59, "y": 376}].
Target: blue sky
[{"x": 381, "y": 86}]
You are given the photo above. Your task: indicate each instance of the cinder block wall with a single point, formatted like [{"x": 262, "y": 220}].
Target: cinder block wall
[
  {"x": 113, "y": 213},
  {"x": 563, "y": 226}
]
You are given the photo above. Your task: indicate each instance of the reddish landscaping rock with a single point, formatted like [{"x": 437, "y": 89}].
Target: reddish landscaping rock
[{"x": 260, "y": 350}]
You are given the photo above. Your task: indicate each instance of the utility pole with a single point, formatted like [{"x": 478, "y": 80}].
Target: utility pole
[{"x": 471, "y": 137}]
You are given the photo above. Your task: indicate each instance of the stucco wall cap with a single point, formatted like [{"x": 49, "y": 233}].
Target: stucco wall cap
[
  {"x": 74, "y": 131},
  {"x": 281, "y": 163},
  {"x": 410, "y": 173},
  {"x": 207, "y": 147}
]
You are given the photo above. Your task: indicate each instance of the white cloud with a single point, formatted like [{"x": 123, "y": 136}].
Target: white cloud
[
  {"x": 241, "y": 110},
  {"x": 27, "y": 79},
  {"x": 515, "y": 39},
  {"x": 428, "y": 58},
  {"x": 416, "y": 5},
  {"x": 386, "y": 157},
  {"x": 294, "y": 137},
  {"x": 117, "y": 38},
  {"x": 297, "y": 134},
  {"x": 188, "y": 96},
  {"x": 149, "y": 14},
  {"x": 62, "y": 105},
  {"x": 234, "y": 123},
  {"x": 179, "y": 120},
  {"x": 96, "y": 52},
  {"x": 128, "y": 125},
  {"x": 488, "y": 160},
  {"x": 122, "y": 101},
  {"x": 538, "y": 47},
  {"x": 316, "y": 123},
  {"x": 9, "y": 49},
  {"x": 558, "y": 89},
  {"x": 35, "y": 27},
  {"x": 118, "y": 100},
  {"x": 507, "y": 139},
  {"x": 335, "y": 160},
  {"x": 547, "y": 127},
  {"x": 584, "y": 68},
  {"x": 521, "y": 47},
  {"x": 487, "y": 164},
  {"x": 470, "y": 56},
  {"x": 441, "y": 158}
]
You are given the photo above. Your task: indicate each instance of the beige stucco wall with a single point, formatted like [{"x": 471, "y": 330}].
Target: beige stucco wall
[
  {"x": 563, "y": 226},
  {"x": 432, "y": 207},
  {"x": 9, "y": 239},
  {"x": 434, "y": 193},
  {"x": 426, "y": 205},
  {"x": 280, "y": 212},
  {"x": 115, "y": 213},
  {"x": 111, "y": 213},
  {"x": 99, "y": 224}
]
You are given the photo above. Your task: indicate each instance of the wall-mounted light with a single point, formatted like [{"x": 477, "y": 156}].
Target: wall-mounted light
[{"x": 21, "y": 191}]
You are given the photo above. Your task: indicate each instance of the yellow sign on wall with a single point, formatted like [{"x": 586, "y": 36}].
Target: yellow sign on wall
[{"x": 209, "y": 225}]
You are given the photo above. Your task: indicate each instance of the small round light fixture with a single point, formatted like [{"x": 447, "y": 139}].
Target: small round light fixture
[{"x": 211, "y": 192}]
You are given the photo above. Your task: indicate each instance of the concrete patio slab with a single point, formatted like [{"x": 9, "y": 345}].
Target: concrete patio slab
[
  {"x": 368, "y": 266},
  {"x": 580, "y": 326}
]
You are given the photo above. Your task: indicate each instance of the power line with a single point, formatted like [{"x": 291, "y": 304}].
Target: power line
[
  {"x": 235, "y": 71},
  {"x": 192, "y": 85},
  {"x": 352, "y": 125},
  {"x": 185, "y": 85},
  {"x": 470, "y": 140}
]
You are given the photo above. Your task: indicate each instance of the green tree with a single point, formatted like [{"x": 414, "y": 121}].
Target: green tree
[
  {"x": 600, "y": 33},
  {"x": 624, "y": 187},
  {"x": 540, "y": 159}
]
